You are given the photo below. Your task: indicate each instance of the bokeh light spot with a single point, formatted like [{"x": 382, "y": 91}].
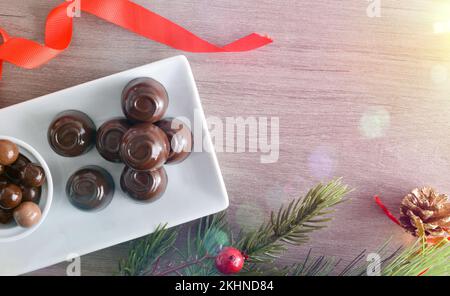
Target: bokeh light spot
[
  {"x": 374, "y": 122},
  {"x": 321, "y": 163}
]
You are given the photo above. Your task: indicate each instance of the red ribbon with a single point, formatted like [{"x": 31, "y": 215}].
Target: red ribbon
[
  {"x": 126, "y": 14},
  {"x": 386, "y": 211}
]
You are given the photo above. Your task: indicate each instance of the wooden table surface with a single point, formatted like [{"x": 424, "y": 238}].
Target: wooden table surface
[{"x": 363, "y": 98}]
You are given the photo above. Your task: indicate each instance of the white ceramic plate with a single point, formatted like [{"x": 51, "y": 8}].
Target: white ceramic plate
[{"x": 195, "y": 189}]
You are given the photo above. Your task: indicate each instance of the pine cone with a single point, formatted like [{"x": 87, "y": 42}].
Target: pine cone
[{"x": 428, "y": 210}]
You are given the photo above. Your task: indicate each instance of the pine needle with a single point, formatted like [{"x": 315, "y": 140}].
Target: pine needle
[
  {"x": 145, "y": 252},
  {"x": 293, "y": 223}
]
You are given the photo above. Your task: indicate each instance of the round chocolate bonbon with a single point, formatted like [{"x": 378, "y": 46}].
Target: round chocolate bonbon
[
  {"x": 10, "y": 196},
  {"x": 71, "y": 133},
  {"x": 144, "y": 147},
  {"x": 144, "y": 185},
  {"x": 8, "y": 152},
  {"x": 6, "y": 216},
  {"x": 144, "y": 100},
  {"x": 27, "y": 214},
  {"x": 32, "y": 175},
  {"x": 109, "y": 138},
  {"x": 90, "y": 188},
  {"x": 180, "y": 139},
  {"x": 32, "y": 194},
  {"x": 13, "y": 171}
]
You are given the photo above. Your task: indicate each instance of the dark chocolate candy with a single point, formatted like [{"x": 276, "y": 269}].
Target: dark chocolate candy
[
  {"x": 144, "y": 185},
  {"x": 144, "y": 100},
  {"x": 144, "y": 147},
  {"x": 13, "y": 171},
  {"x": 4, "y": 180},
  {"x": 90, "y": 188},
  {"x": 32, "y": 175},
  {"x": 109, "y": 138},
  {"x": 32, "y": 194},
  {"x": 6, "y": 216},
  {"x": 10, "y": 196},
  {"x": 180, "y": 139},
  {"x": 71, "y": 133},
  {"x": 2, "y": 169}
]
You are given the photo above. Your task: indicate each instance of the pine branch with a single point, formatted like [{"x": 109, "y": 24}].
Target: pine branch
[
  {"x": 293, "y": 223},
  {"x": 144, "y": 254},
  {"x": 209, "y": 236},
  {"x": 421, "y": 259}
]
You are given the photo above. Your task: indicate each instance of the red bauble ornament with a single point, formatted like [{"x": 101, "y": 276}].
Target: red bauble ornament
[{"x": 230, "y": 260}]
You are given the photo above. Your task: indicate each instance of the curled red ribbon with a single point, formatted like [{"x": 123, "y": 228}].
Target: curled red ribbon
[{"x": 126, "y": 14}]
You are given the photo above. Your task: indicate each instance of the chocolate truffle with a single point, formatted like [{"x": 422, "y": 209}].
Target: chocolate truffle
[
  {"x": 144, "y": 147},
  {"x": 10, "y": 196},
  {"x": 71, "y": 133},
  {"x": 180, "y": 139},
  {"x": 27, "y": 214},
  {"x": 90, "y": 188},
  {"x": 3, "y": 180},
  {"x": 13, "y": 171},
  {"x": 8, "y": 152},
  {"x": 144, "y": 100},
  {"x": 109, "y": 137},
  {"x": 32, "y": 175},
  {"x": 2, "y": 169},
  {"x": 6, "y": 216},
  {"x": 144, "y": 185},
  {"x": 32, "y": 194}
]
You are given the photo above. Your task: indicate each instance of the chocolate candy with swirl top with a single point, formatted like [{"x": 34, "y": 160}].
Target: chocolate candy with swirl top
[
  {"x": 71, "y": 133},
  {"x": 109, "y": 138},
  {"x": 90, "y": 188},
  {"x": 144, "y": 147},
  {"x": 144, "y": 100},
  {"x": 180, "y": 139},
  {"x": 144, "y": 186}
]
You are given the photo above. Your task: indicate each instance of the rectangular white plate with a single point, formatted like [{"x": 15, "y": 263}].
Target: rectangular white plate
[{"x": 195, "y": 189}]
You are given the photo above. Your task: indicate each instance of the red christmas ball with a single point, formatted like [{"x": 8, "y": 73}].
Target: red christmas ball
[{"x": 230, "y": 260}]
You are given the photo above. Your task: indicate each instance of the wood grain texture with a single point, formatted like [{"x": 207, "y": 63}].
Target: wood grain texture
[{"x": 362, "y": 98}]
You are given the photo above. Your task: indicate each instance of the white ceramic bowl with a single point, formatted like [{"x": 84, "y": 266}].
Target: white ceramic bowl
[{"x": 13, "y": 232}]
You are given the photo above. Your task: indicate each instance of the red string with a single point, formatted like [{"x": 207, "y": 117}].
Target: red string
[
  {"x": 386, "y": 211},
  {"x": 124, "y": 13}
]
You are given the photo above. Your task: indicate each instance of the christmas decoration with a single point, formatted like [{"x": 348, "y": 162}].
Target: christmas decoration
[
  {"x": 126, "y": 14},
  {"x": 212, "y": 250},
  {"x": 230, "y": 260},
  {"x": 423, "y": 213},
  {"x": 425, "y": 210}
]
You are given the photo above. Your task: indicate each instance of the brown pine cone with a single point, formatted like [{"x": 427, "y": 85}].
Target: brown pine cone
[{"x": 428, "y": 209}]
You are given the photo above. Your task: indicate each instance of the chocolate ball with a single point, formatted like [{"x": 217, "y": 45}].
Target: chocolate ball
[
  {"x": 32, "y": 194},
  {"x": 4, "y": 180},
  {"x": 109, "y": 138},
  {"x": 90, "y": 188},
  {"x": 144, "y": 100},
  {"x": 144, "y": 185},
  {"x": 13, "y": 172},
  {"x": 180, "y": 139},
  {"x": 144, "y": 147},
  {"x": 6, "y": 216},
  {"x": 27, "y": 214},
  {"x": 71, "y": 133},
  {"x": 8, "y": 152},
  {"x": 2, "y": 169},
  {"x": 10, "y": 196},
  {"x": 32, "y": 175}
]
